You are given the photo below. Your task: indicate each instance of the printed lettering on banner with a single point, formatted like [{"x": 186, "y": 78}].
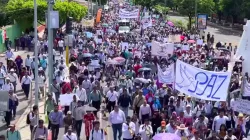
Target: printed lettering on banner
[
  {"x": 66, "y": 99},
  {"x": 162, "y": 49},
  {"x": 129, "y": 14},
  {"x": 242, "y": 106},
  {"x": 147, "y": 23},
  {"x": 201, "y": 84},
  {"x": 166, "y": 75},
  {"x": 246, "y": 89}
]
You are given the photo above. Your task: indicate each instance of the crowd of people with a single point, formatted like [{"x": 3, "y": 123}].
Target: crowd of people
[{"x": 110, "y": 80}]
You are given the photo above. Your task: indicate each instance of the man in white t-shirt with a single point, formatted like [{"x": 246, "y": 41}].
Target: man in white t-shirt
[{"x": 61, "y": 46}]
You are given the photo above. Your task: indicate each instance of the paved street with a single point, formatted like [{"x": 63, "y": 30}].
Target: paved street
[
  {"x": 227, "y": 36},
  {"x": 23, "y": 103}
]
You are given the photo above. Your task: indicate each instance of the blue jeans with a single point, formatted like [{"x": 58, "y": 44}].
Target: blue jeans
[
  {"x": 117, "y": 128},
  {"x": 125, "y": 110}
]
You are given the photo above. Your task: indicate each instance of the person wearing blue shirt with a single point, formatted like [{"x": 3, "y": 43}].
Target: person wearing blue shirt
[
  {"x": 156, "y": 104},
  {"x": 55, "y": 117},
  {"x": 43, "y": 63}
]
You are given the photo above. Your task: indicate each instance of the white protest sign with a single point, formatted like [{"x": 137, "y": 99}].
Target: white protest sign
[
  {"x": 166, "y": 75},
  {"x": 201, "y": 84},
  {"x": 66, "y": 99},
  {"x": 199, "y": 42},
  {"x": 124, "y": 45},
  {"x": 185, "y": 47},
  {"x": 246, "y": 88},
  {"x": 242, "y": 106},
  {"x": 162, "y": 49}
]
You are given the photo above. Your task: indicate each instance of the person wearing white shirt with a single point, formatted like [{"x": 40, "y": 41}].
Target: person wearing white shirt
[
  {"x": 25, "y": 82},
  {"x": 117, "y": 118},
  {"x": 241, "y": 120},
  {"x": 2, "y": 77},
  {"x": 219, "y": 120},
  {"x": 208, "y": 108},
  {"x": 145, "y": 111},
  {"x": 70, "y": 135},
  {"x": 61, "y": 46},
  {"x": 146, "y": 130},
  {"x": 28, "y": 61},
  {"x": 198, "y": 109},
  {"x": 13, "y": 78},
  {"x": 170, "y": 127},
  {"x": 128, "y": 129},
  {"x": 8, "y": 85},
  {"x": 96, "y": 133},
  {"x": 81, "y": 93},
  {"x": 111, "y": 96}
]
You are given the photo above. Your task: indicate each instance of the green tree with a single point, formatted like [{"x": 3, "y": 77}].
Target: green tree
[
  {"x": 206, "y": 6},
  {"x": 145, "y": 3},
  {"x": 161, "y": 9},
  {"x": 23, "y": 10},
  {"x": 187, "y": 8}
]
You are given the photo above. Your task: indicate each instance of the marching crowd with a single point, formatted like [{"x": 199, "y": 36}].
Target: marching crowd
[{"x": 106, "y": 76}]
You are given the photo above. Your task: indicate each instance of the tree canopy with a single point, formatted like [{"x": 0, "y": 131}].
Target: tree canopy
[{"x": 21, "y": 10}]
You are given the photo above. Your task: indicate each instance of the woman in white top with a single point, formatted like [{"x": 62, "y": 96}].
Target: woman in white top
[{"x": 188, "y": 115}]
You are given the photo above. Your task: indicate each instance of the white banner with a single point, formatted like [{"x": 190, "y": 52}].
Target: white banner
[
  {"x": 162, "y": 49},
  {"x": 147, "y": 23},
  {"x": 202, "y": 84},
  {"x": 66, "y": 99},
  {"x": 246, "y": 88},
  {"x": 166, "y": 75},
  {"x": 242, "y": 106},
  {"x": 129, "y": 14}
]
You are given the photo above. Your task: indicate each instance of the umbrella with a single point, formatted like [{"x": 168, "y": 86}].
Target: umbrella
[
  {"x": 166, "y": 136},
  {"x": 170, "y": 23},
  {"x": 112, "y": 62},
  {"x": 89, "y": 108},
  {"x": 141, "y": 80},
  {"x": 119, "y": 59},
  {"x": 145, "y": 69},
  {"x": 87, "y": 55},
  {"x": 190, "y": 41}
]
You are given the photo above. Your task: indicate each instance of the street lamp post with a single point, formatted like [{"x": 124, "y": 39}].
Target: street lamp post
[{"x": 196, "y": 14}]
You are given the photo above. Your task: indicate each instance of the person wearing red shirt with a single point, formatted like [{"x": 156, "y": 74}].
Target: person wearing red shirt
[
  {"x": 137, "y": 67},
  {"x": 88, "y": 120}
]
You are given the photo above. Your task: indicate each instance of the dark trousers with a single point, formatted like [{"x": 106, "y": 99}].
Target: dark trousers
[
  {"x": 97, "y": 105},
  {"x": 31, "y": 128},
  {"x": 33, "y": 72},
  {"x": 55, "y": 131},
  {"x": 49, "y": 125},
  {"x": 137, "y": 110},
  {"x": 117, "y": 128},
  {"x": 110, "y": 106},
  {"x": 26, "y": 89},
  {"x": 28, "y": 68},
  {"x": 78, "y": 127},
  {"x": 14, "y": 110},
  {"x": 143, "y": 117},
  {"x": 127, "y": 139},
  {"x": 14, "y": 85},
  {"x": 66, "y": 109},
  {"x": 8, "y": 117}
]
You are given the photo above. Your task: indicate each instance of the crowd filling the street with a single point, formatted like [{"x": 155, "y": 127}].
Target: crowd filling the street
[{"x": 179, "y": 84}]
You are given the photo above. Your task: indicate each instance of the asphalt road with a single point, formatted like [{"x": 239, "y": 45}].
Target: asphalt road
[{"x": 226, "y": 36}]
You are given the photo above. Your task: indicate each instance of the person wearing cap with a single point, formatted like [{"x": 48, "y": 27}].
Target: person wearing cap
[
  {"x": 12, "y": 133},
  {"x": 162, "y": 128},
  {"x": 25, "y": 82},
  {"x": 70, "y": 135},
  {"x": 117, "y": 118},
  {"x": 8, "y": 85},
  {"x": 182, "y": 132},
  {"x": 241, "y": 120},
  {"x": 68, "y": 120},
  {"x": 13, "y": 78},
  {"x": 39, "y": 130}
]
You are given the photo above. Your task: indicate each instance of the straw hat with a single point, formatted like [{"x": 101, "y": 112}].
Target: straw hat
[
  {"x": 182, "y": 127},
  {"x": 240, "y": 115}
]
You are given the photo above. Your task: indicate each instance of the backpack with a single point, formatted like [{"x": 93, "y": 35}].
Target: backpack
[
  {"x": 93, "y": 133},
  {"x": 28, "y": 118}
]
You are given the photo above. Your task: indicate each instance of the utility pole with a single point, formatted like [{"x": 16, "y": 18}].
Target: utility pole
[
  {"x": 50, "y": 43},
  {"x": 36, "y": 53},
  {"x": 196, "y": 14}
]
